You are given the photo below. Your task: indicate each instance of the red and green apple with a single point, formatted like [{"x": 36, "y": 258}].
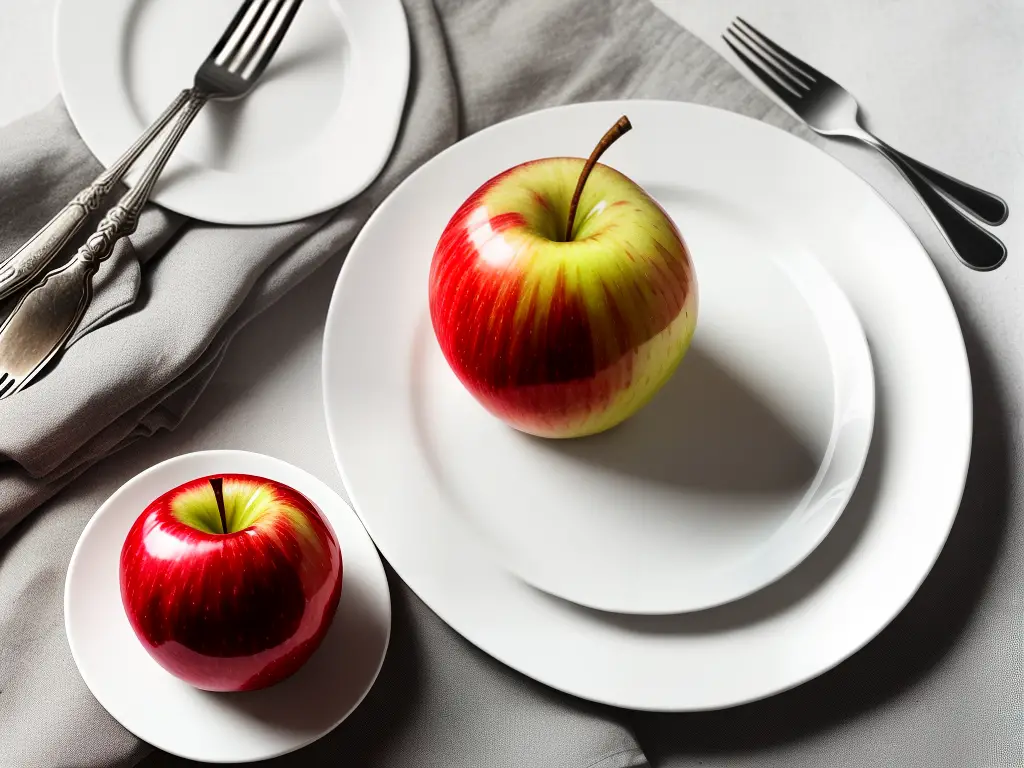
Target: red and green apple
[
  {"x": 562, "y": 295},
  {"x": 231, "y": 582}
]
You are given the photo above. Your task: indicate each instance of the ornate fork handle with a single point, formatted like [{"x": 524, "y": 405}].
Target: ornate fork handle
[
  {"x": 32, "y": 257},
  {"x": 51, "y": 310},
  {"x": 123, "y": 218}
]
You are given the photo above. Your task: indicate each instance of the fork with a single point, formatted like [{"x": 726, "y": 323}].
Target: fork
[
  {"x": 48, "y": 314},
  {"x": 831, "y": 110}
]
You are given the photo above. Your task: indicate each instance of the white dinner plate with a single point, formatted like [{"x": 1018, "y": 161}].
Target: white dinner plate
[
  {"x": 314, "y": 133},
  {"x": 223, "y": 727},
  {"x": 393, "y": 412}
]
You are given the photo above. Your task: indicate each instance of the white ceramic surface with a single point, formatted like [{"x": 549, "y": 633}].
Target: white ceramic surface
[
  {"x": 377, "y": 350},
  {"x": 727, "y": 480},
  {"x": 314, "y": 133},
  {"x": 218, "y": 727}
]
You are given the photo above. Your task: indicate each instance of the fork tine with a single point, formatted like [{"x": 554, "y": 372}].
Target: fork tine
[
  {"x": 805, "y": 81},
  {"x": 782, "y": 53},
  {"x": 786, "y": 94},
  {"x": 250, "y": 41},
  {"x": 767, "y": 62},
  {"x": 241, "y": 33},
  {"x": 236, "y": 22},
  {"x": 260, "y": 63}
]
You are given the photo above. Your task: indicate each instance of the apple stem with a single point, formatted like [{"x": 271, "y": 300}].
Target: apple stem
[
  {"x": 218, "y": 492},
  {"x": 622, "y": 125}
]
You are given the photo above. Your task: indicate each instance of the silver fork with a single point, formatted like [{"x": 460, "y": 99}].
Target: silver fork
[
  {"x": 831, "y": 110},
  {"x": 49, "y": 312}
]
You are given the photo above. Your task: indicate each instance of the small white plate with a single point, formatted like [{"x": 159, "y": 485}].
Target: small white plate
[
  {"x": 766, "y": 204},
  {"x": 219, "y": 727},
  {"x": 314, "y": 133}
]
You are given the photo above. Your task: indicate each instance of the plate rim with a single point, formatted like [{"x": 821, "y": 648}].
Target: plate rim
[
  {"x": 958, "y": 350},
  {"x": 179, "y": 202},
  {"x": 379, "y": 572}
]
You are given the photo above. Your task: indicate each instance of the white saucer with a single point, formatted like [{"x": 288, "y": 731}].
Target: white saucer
[
  {"x": 217, "y": 727},
  {"x": 760, "y": 200},
  {"x": 315, "y": 132}
]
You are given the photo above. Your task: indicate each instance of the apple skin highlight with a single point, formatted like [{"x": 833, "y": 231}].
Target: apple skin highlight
[
  {"x": 233, "y": 611},
  {"x": 562, "y": 338}
]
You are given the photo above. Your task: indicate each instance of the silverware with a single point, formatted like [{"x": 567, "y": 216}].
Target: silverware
[
  {"x": 49, "y": 312},
  {"x": 831, "y": 110},
  {"x": 30, "y": 259}
]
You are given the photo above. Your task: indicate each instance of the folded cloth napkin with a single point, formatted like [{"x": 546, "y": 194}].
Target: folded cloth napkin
[{"x": 169, "y": 302}]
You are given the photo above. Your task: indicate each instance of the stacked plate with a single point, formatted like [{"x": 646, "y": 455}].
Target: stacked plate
[{"x": 774, "y": 506}]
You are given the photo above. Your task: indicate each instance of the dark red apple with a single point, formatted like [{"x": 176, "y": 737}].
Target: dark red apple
[
  {"x": 230, "y": 582},
  {"x": 562, "y": 295}
]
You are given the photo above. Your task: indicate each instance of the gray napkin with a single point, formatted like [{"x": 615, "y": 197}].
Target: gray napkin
[{"x": 169, "y": 302}]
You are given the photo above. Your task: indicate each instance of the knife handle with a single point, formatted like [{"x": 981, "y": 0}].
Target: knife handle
[
  {"x": 32, "y": 257},
  {"x": 48, "y": 314}
]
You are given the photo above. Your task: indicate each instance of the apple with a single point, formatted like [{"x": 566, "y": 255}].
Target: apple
[
  {"x": 562, "y": 295},
  {"x": 230, "y": 582}
]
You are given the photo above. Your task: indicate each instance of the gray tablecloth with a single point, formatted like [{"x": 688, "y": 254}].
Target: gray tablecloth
[{"x": 169, "y": 303}]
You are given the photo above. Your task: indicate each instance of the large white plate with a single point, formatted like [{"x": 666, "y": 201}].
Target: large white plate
[
  {"x": 223, "y": 727},
  {"x": 701, "y": 163},
  {"x": 315, "y": 132}
]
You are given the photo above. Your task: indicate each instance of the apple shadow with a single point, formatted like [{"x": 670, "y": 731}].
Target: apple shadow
[
  {"x": 707, "y": 431},
  {"x": 789, "y": 590},
  {"x": 387, "y": 712}
]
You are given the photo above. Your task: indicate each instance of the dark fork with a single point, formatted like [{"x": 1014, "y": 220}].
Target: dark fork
[
  {"x": 49, "y": 312},
  {"x": 831, "y": 110}
]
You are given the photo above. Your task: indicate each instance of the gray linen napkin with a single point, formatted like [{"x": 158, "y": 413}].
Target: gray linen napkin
[{"x": 169, "y": 302}]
